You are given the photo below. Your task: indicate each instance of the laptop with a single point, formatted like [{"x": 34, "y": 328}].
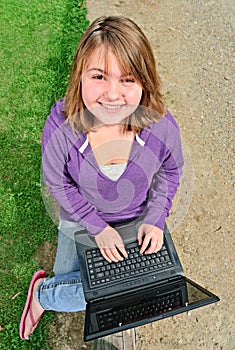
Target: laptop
[{"x": 138, "y": 290}]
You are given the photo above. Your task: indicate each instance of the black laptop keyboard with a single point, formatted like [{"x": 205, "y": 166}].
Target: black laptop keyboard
[
  {"x": 133, "y": 313},
  {"x": 102, "y": 272}
]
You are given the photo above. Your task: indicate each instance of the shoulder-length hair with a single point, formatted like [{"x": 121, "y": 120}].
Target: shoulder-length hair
[{"x": 134, "y": 54}]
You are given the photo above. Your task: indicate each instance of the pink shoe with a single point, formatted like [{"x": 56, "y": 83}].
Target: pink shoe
[{"x": 27, "y": 308}]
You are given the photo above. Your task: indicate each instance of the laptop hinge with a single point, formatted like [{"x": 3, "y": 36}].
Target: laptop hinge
[
  {"x": 127, "y": 292},
  {"x": 175, "y": 278}
]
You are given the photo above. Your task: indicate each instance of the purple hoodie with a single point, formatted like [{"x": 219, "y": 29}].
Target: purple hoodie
[{"x": 86, "y": 196}]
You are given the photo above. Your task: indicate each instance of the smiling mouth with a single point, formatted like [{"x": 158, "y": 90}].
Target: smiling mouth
[
  {"x": 108, "y": 113},
  {"x": 112, "y": 107}
]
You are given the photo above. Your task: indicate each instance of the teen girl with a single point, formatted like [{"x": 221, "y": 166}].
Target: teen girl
[{"x": 111, "y": 153}]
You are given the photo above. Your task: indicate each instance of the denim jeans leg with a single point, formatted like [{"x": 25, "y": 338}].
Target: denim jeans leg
[
  {"x": 62, "y": 293},
  {"x": 66, "y": 255}
]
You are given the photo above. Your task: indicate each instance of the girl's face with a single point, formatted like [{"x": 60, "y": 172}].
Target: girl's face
[{"x": 110, "y": 95}]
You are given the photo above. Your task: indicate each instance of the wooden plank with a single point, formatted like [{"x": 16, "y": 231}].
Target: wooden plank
[
  {"x": 119, "y": 341},
  {"x": 129, "y": 339}
]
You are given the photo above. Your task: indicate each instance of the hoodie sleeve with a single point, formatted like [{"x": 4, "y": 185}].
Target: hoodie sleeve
[
  {"x": 167, "y": 179},
  {"x": 58, "y": 141}
]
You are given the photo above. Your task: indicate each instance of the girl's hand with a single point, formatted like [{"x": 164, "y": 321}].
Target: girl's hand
[
  {"x": 111, "y": 245},
  {"x": 150, "y": 236}
]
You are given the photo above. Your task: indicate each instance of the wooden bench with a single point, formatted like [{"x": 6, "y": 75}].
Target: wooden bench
[{"x": 120, "y": 341}]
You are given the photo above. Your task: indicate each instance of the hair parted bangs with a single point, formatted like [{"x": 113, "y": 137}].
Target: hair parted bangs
[{"x": 135, "y": 56}]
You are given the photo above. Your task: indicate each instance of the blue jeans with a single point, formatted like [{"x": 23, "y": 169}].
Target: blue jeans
[
  {"x": 66, "y": 255},
  {"x": 64, "y": 291}
]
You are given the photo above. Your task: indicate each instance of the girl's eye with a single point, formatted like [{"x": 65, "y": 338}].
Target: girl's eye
[
  {"x": 128, "y": 81},
  {"x": 98, "y": 77}
]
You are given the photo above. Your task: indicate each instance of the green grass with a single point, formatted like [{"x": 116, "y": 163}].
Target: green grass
[{"x": 38, "y": 42}]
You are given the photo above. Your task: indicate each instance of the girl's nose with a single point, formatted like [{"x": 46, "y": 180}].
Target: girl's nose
[{"x": 113, "y": 91}]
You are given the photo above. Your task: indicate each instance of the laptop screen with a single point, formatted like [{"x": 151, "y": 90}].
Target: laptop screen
[{"x": 117, "y": 314}]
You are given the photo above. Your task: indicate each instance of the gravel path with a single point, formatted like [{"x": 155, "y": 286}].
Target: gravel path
[{"x": 193, "y": 43}]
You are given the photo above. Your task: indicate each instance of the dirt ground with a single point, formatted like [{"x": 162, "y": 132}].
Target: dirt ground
[{"x": 193, "y": 44}]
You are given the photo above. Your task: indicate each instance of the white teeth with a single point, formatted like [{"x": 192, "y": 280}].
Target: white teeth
[{"x": 112, "y": 107}]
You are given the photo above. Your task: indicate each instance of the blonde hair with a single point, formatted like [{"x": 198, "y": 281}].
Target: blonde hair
[{"x": 134, "y": 54}]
